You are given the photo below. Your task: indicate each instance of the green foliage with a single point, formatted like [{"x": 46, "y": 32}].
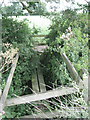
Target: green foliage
[
  {"x": 14, "y": 31},
  {"x": 54, "y": 69},
  {"x": 60, "y": 22},
  {"x": 19, "y": 35},
  {"x": 18, "y": 9},
  {"x": 14, "y": 9},
  {"x": 38, "y": 8},
  {"x": 75, "y": 47}
]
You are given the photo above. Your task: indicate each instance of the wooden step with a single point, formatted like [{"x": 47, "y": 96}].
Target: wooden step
[
  {"x": 41, "y": 80},
  {"x": 35, "y": 86}
]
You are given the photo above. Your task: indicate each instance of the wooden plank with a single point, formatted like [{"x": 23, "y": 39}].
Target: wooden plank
[
  {"x": 40, "y": 96},
  {"x": 39, "y": 35},
  {"x": 35, "y": 86},
  {"x": 41, "y": 80},
  {"x": 8, "y": 83},
  {"x": 71, "y": 69}
]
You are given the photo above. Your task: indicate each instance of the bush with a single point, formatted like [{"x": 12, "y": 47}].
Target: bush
[
  {"x": 19, "y": 35},
  {"x": 14, "y": 31},
  {"x": 75, "y": 47}
]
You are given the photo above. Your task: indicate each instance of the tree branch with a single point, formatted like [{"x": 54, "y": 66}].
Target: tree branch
[{"x": 24, "y": 6}]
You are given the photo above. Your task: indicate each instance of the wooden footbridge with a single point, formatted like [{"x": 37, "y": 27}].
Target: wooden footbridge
[{"x": 39, "y": 89}]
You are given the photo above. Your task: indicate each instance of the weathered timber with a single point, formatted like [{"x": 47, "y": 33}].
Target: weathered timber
[
  {"x": 41, "y": 80},
  {"x": 71, "y": 69},
  {"x": 35, "y": 83},
  {"x": 8, "y": 83},
  {"x": 55, "y": 113},
  {"x": 39, "y": 35},
  {"x": 40, "y": 96}
]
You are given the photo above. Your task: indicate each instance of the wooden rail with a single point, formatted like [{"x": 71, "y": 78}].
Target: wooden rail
[
  {"x": 39, "y": 35},
  {"x": 40, "y": 96},
  {"x": 8, "y": 83},
  {"x": 72, "y": 70}
]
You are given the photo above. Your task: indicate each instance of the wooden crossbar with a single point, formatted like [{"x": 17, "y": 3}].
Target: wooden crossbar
[
  {"x": 39, "y": 35},
  {"x": 40, "y": 96}
]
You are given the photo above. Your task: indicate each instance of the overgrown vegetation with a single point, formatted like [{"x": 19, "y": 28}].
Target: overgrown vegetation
[
  {"x": 69, "y": 34},
  {"x": 75, "y": 46}
]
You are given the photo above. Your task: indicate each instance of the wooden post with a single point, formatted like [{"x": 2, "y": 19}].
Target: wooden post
[{"x": 8, "y": 83}]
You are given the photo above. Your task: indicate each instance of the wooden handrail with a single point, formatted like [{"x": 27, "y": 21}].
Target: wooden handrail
[
  {"x": 8, "y": 83},
  {"x": 71, "y": 69}
]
